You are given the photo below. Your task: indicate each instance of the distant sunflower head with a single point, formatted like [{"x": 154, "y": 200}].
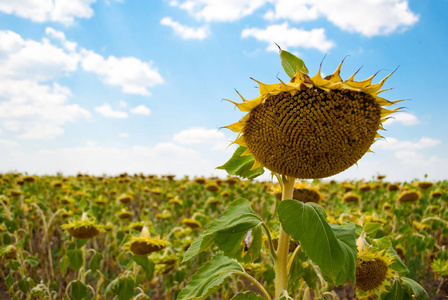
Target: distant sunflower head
[
  {"x": 84, "y": 228},
  {"x": 193, "y": 224},
  {"x": 312, "y": 127},
  {"x": 351, "y": 198},
  {"x": 440, "y": 267},
  {"x": 373, "y": 272},
  {"x": 144, "y": 244},
  {"x": 305, "y": 193},
  {"x": 409, "y": 196}
]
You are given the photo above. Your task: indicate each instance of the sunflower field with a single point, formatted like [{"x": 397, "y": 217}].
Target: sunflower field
[{"x": 127, "y": 237}]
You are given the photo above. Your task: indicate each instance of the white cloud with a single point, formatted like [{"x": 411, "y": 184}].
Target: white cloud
[
  {"x": 368, "y": 17},
  {"x": 186, "y": 32},
  {"x": 391, "y": 143},
  {"x": 7, "y": 144},
  {"x": 198, "y": 135},
  {"x": 123, "y": 135},
  {"x": 107, "y": 111},
  {"x": 133, "y": 75},
  {"x": 290, "y": 37},
  {"x": 141, "y": 110},
  {"x": 404, "y": 118},
  {"x": 219, "y": 10},
  {"x": 33, "y": 60},
  {"x": 36, "y": 111},
  {"x": 62, "y": 11},
  {"x": 122, "y": 104}
]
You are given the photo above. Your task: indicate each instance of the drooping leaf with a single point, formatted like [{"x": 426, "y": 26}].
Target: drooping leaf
[
  {"x": 290, "y": 63},
  {"x": 32, "y": 260},
  {"x": 241, "y": 165},
  {"x": 75, "y": 258},
  {"x": 239, "y": 217},
  {"x": 209, "y": 277},
  {"x": 79, "y": 290},
  {"x": 147, "y": 265},
  {"x": 331, "y": 247},
  {"x": 95, "y": 261},
  {"x": 121, "y": 287},
  {"x": 63, "y": 264},
  {"x": 249, "y": 295},
  {"x": 415, "y": 290}
]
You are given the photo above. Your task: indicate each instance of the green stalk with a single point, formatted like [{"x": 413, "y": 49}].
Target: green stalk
[{"x": 281, "y": 260}]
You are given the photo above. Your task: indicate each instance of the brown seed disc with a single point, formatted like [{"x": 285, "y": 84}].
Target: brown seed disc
[
  {"x": 370, "y": 274},
  {"x": 313, "y": 134}
]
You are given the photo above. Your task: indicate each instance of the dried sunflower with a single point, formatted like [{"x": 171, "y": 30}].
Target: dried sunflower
[
  {"x": 312, "y": 127},
  {"x": 83, "y": 228}
]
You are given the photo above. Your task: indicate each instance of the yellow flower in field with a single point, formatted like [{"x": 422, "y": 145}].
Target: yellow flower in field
[
  {"x": 393, "y": 187},
  {"x": 124, "y": 214},
  {"x": 83, "y": 228},
  {"x": 125, "y": 198},
  {"x": 424, "y": 185},
  {"x": 409, "y": 196},
  {"x": 176, "y": 201},
  {"x": 373, "y": 272},
  {"x": 436, "y": 194},
  {"x": 144, "y": 244},
  {"x": 305, "y": 193},
  {"x": 351, "y": 198},
  {"x": 312, "y": 127},
  {"x": 200, "y": 180},
  {"x": 365, "y": 187},
  {"x": 193, "y": 224},
  {"x": 419, "y": 226},
  {"x": 212, "y": 187}
]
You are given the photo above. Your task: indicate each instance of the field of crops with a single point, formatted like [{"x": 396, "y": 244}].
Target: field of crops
[{"x": 133, "y": 231}]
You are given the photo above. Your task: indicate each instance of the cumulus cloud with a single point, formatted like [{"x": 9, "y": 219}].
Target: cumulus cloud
[
  {"x": 37, "y": 111},
  {"x": 33, "y": 60},
  {"x": 62, "y": 11},
  {"x": 107, "y": 111},
  {"x": 186, "y": 32},
  {"x": 288, "y": 36},
  {"x": 403, "y": 118},
  {"x": 141, "y": 110},
  {"x": 199, "y": 135},
  {"x": 131, "y": 74},
  {"x": 219, "y": 10},
  {"x": 391, "y": 143}
]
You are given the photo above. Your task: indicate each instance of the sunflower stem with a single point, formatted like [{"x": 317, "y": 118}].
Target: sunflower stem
[{"x": 281, "y": 260}]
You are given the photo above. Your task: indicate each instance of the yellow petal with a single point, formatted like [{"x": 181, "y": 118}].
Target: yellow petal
[{"x": 266, "y": 88}]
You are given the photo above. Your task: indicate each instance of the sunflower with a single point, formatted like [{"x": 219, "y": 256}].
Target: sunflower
[
  {"x": 144, "y": 244},
  {"x": 83, "y": 228},
  {"x": 409, "y": 196},
  {"x": 373, "y": 272},
  {"x": 305, "y": 193},
  {"x": 312, "y": 127}
]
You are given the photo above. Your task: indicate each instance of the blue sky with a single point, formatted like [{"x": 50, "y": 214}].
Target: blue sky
[{"x": 108, "y": 86}]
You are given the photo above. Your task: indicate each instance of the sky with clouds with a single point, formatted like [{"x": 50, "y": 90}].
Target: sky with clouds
[{"x": 112, "y": 86}]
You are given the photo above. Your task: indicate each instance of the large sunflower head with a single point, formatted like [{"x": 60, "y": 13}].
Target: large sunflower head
[
  {"x": 373, "y": 272},
  {"x": 312, "y": 127}
]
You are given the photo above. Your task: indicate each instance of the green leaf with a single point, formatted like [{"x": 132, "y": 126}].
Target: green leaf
[
  {"x": 396, "y": 293},
  {"x": 233, "y": 245},
  {"x": 239, "y": 217},
  {"x": 397, "y": 264},
  {"x": 79, "y": 290},
  {"x": 9, "y": 280},
  {"x": 32, "y": 260},
  {"x": 25, "y": 284},
  {"x": 415, "y": 290},
  {"x": 249, "y": 295},
  {"x": 80, "y": 243},
  {"x": 63, "y": 264},
  {"x": 371, "y": 227},
  {"x": 290, "y": 63},
  {"x": 121, "y": 287},
  {"x": 241, "y": 165},
  {"x": 331, "y": 247},
  {"x": 209, "y": 277},
  {"x": 146, "y": 264},
  {"x": 75, "y": 258},
  {"x": 95, "y": 262}
]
